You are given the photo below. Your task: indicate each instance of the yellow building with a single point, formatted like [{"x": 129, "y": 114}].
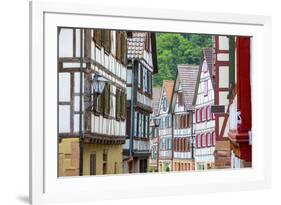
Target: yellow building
[
  {"x": 69, "y": 157},
  {"x": 102, "y": 159}
]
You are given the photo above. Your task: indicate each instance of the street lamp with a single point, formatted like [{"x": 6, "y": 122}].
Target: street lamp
[
  {"x": 156, "y": 121},
  {"x": 98, "y": 84}
]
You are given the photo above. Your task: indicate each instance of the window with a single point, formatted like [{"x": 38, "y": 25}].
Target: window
[
  {"x": 167, "y": 122},
  {"x": 180, "y": 102},
  {"x": 204, "y": 66},
  {"x": 106, "y": 39},
  {"x": 199, "y": 141},
  {"x": 144, "y": 80},
  {"x": 115, "y": 168},
  {"x": 140, "y": 125},
  {"x": 121, "y": 47},
  {"x": 106, "y": 101},
  {"x": 197, "y": 116},
  {"x": 203, "y": 140},
  {"x": 93, "y": 164},
  {"x": 208, "y": 113},
  {"x": 102, "y": 101},
  {"x": 104, "y": 158},
  {"x": 136, "y": 124},
  {"x": 97, "y": 37},
  {"x": 144, "y": 125},
  {"x": 213, "y": 138},
  {"x": 203, "y": 114},
  {"x": 139, "y": 76},
  {"x": 213, "y": 116},
  {"x": 118, "y": 104},
  {"x": 209, "y": 136},
  {"x": 205, "y": 84},
  {"x": 164, "y": 104}
]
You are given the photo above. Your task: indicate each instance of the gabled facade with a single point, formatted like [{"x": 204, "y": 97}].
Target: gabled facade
[
  {"x": 91, "y": 127},
  {"x": 142, "y": 64},
  {"x": 204, "y": 120},
  {"x": 154, "y": 131},
  {"x": 182, "y": 114},
  {"x": 165, "y": 127}
]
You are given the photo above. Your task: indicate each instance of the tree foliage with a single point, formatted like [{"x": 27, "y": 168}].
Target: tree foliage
[{"x": 173, "y": 49}]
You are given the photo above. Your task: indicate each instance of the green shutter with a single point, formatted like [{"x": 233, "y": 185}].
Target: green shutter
[
  {"x": 106, "y": 37},
  {"x": 118, "y": 45},
  {"x": 117, "y": 104},
  {"x": 124, "y": 48},
  {"x": 97, "y": 36},
  {"x": 123, "y": 105}
]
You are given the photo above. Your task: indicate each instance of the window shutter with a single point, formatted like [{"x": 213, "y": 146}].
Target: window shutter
[
  {"x": 123, "y": 48},
  {"x": 207, "y": 139},
  {"x": 202, "y": 140},
  {"x": 106, "y": 38},
  {"x": 117, "y": 104},
  {"x": 213, "y": 116},
  {"x": 196, "y": 116},
  {"x": 201, "y": 115},
  {"x": 97, "y": 36},
  {"x": 118, "y": 45},
  {"x": 207, "y": 113},
  {"x": 213, "y": 138},
  {"x": 124, "y": 104}
]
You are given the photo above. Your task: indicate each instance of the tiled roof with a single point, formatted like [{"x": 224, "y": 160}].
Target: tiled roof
[
  {"x": 168, "y": 85},
  {"x": 156, "y": 92},
  {"x": 135, "y": 45},
  {"x": 187, "y": 75}
]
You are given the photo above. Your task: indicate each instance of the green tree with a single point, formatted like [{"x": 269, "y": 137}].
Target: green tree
[{"x": 173, "y": 49}]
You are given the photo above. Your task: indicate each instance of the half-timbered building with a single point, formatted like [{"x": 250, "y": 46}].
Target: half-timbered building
[
  {"x": 223, "y": 63},
  {"x": 233, "y": 122},
  {"x": 204, "y": 123},
  {"x": 92, "y": 65},
  {"x": 142, "y": 64},
  {"x": 154, "y": 131},
  {"x": 165, "y": 127},
  {"x": 182, "y": 114}
]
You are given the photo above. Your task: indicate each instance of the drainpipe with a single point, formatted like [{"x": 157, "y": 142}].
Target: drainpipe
[
  {"x": 81, "y": 137},
  {"x": 132, "y": 110}
]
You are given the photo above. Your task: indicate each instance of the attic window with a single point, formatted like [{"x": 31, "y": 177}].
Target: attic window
[{"x": 204, "y": 66}]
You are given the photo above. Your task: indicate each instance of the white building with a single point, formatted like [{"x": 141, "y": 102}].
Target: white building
[
  {"x": 204, "y": 124},
  {"x": 182, "y": 113},
  {"x": 165, "y": 128}
]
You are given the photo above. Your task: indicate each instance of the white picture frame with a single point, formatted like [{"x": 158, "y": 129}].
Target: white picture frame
[{"x": 46, "y": 187}]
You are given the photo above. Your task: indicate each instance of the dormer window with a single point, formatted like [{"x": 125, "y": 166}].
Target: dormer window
[{"x": 204, "y": 66}]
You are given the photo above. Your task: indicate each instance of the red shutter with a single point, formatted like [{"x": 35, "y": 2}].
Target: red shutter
[
  {"x": 200, "y": 118},
  {"x": 213, "y": 138},
  {"x": 213, "y": 116},
  {"x": 202, "y": 139},
  {"x": 207, "y": 113},
  {"x": 207, "y": 140},
  {"x": 196, "y": 115}
]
